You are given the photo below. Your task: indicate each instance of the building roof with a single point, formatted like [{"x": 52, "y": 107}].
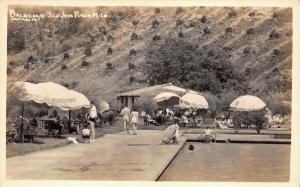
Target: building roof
[{"x": 153, "y": 90}]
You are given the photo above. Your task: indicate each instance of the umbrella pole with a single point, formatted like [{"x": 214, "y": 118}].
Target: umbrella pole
[
  {"x": 22, "y": 124},
  {"x": 69, "y": 124}
]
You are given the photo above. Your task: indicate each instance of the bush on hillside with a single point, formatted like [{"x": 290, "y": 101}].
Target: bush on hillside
[
  {"x": 131, "y": 66},
  {"x": 155, "y": 24},
  {"x": 66, "y": 47},
  {"x": 251, "y": 31},
  {"x": 157, "y": 10},
  {"x": 180, "y": 34},
  {"x": 88, "y": 51},
  {"x": 134, "y": 36},
  {"x": 232, "y": 14},
  {"x": 228, "y": 30},
  {"x": 207, "y": 30},
  {"x": 63, "y": 67},
  {"x": 109, "y": 66},
  {"x": 274, "y": 35},
  {"x": 251, "y": 14},
  {"x": 204, "y": 19},
  {"x": 179, "y": 22},
  {"x": 179, "y": 10},
  {"x": 132, "y": 52},
  {"x": 156, "y": 37}
]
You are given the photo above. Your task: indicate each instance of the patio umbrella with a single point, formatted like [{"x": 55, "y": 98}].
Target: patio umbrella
[
  {"x": 166, "y": 99},
  {"x": 192, "y": 100},
  {"x": 247, "y": 103},
  {"x": 56, "y": 94},
  {"x": 104, "y": 106},
  {"x": 77, "y": 103},
  {"x": 26, "y": 91}
]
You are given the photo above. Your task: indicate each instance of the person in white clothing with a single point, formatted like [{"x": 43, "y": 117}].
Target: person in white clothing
[
  {"x": 125, "y": 113},
  {"x": 134, "y": 120},
  {"x": 92, "y": 120}
]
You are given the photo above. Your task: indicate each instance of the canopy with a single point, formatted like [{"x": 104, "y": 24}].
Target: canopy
[
  {"x": 191, "y": 100},
  {"x": 104, "y": 106},
  {"x": 247, "y": 103},
  {"x": 52, "y": 94},
  {"x": 172, "y": 88},
  {"x": 166, "y": 99},
  {"x": 26, "y": 91},
  {"x": 79, "y": 102}
]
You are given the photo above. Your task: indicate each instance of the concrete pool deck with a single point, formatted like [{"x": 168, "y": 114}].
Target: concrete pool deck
[{"x": 112, "y": 157}]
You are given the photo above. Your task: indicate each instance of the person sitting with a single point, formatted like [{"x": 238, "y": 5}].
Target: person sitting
[
  {"x": 207, "y": 135},
  {"x": 185, "y": 120},
  {"x": 170, "y": 135},
  {"x": 85, "y": 135},
  {"x": 55, "y": 124}
]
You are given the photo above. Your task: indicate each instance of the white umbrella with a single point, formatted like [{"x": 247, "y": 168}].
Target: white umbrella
[
  {"x": 104, "y": 106},
  {"x": 79, "y": 102},
  {"x": 191, "y": 100},
  {"x": 56, "y": 94},
  {"x": 26, "y": 91},
  {"x": 166, "y": 99},
  {"x": 247, "y": 103}
]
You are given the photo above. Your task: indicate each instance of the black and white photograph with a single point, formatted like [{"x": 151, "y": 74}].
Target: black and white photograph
[{"x": 149, "y": 93}]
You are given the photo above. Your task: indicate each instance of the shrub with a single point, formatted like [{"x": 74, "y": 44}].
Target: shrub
[
  {"x": 251, "y": 31},
  {"x": 114, "y": 27},
  {"x": 247, "y": 50},
  {"x": 157, "y": 10},
  {"x": 228, "y": 30},
  {"x": 131, "y": 79},
  {"x": 63, "y": 67},
  {"x": 74, "y": 84},
  {"x": 232, "y": 14},
  {"x": 109, "y": 65},
  {"x": 192, "y": 24},
  {"x": 12, "y": 63},
  {"x": 179, "y": 10},
  {"x": 276, "y": 52},
  {"x": 155, "y": 24},
  {"x": 179, "y": 22},
  {"x": 109, "y": 51},
  {"x": 206, "y": 30},
  {"x": 204, "y": 19},
  {"x": 9, "y": 71},
  {"x": 110, "y": 38},
  {"x": 156, "y": 37},
  {"x": 180, "y": 34},
  {"x": 84, "y": 63},
  {"x": 132, "y": 52},
  {"x": 88, "y": 51},
  {"x": 135, "y": 23},
  {"x": 251, "y": 14},
  {"x": 103, "y": 30},
  {"x": 275, "y": 15},
  {"x": 274, "y": 35},
  {"x": 134, "y": 36},
  {"x": 131, "y": 66},
  {"x": 210, "y": 53},
  {"x": 66, "y": 47}
]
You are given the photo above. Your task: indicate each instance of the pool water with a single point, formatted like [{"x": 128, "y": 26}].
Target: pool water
[{"x": 230, "y": 162}]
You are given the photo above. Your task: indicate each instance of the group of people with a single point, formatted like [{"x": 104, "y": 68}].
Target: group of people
[{"x": 130, "y": 117}]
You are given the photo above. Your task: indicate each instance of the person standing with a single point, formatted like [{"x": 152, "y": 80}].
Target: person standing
[
  {"x": 134, "y": 120},
  {"x": 125, "y": 113},
  {"x": 92, "y": 120}
]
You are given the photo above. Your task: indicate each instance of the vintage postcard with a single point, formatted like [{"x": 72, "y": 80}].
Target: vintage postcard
[{"x": 188, "y": 92}]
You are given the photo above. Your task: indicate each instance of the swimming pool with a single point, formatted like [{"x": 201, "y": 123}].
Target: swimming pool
[{"x": 230, "y": 162}]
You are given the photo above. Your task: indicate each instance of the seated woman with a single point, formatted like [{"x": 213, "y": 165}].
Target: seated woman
[
  {"x": 170, "y": 135},
  {"x": 207, "y": 135}
]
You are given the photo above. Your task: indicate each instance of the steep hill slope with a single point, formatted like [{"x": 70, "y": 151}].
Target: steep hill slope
[{"x": 259, "y": 41}]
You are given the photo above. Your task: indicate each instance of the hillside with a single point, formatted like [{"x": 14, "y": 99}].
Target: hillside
[{"x": 257, "y": 42}]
